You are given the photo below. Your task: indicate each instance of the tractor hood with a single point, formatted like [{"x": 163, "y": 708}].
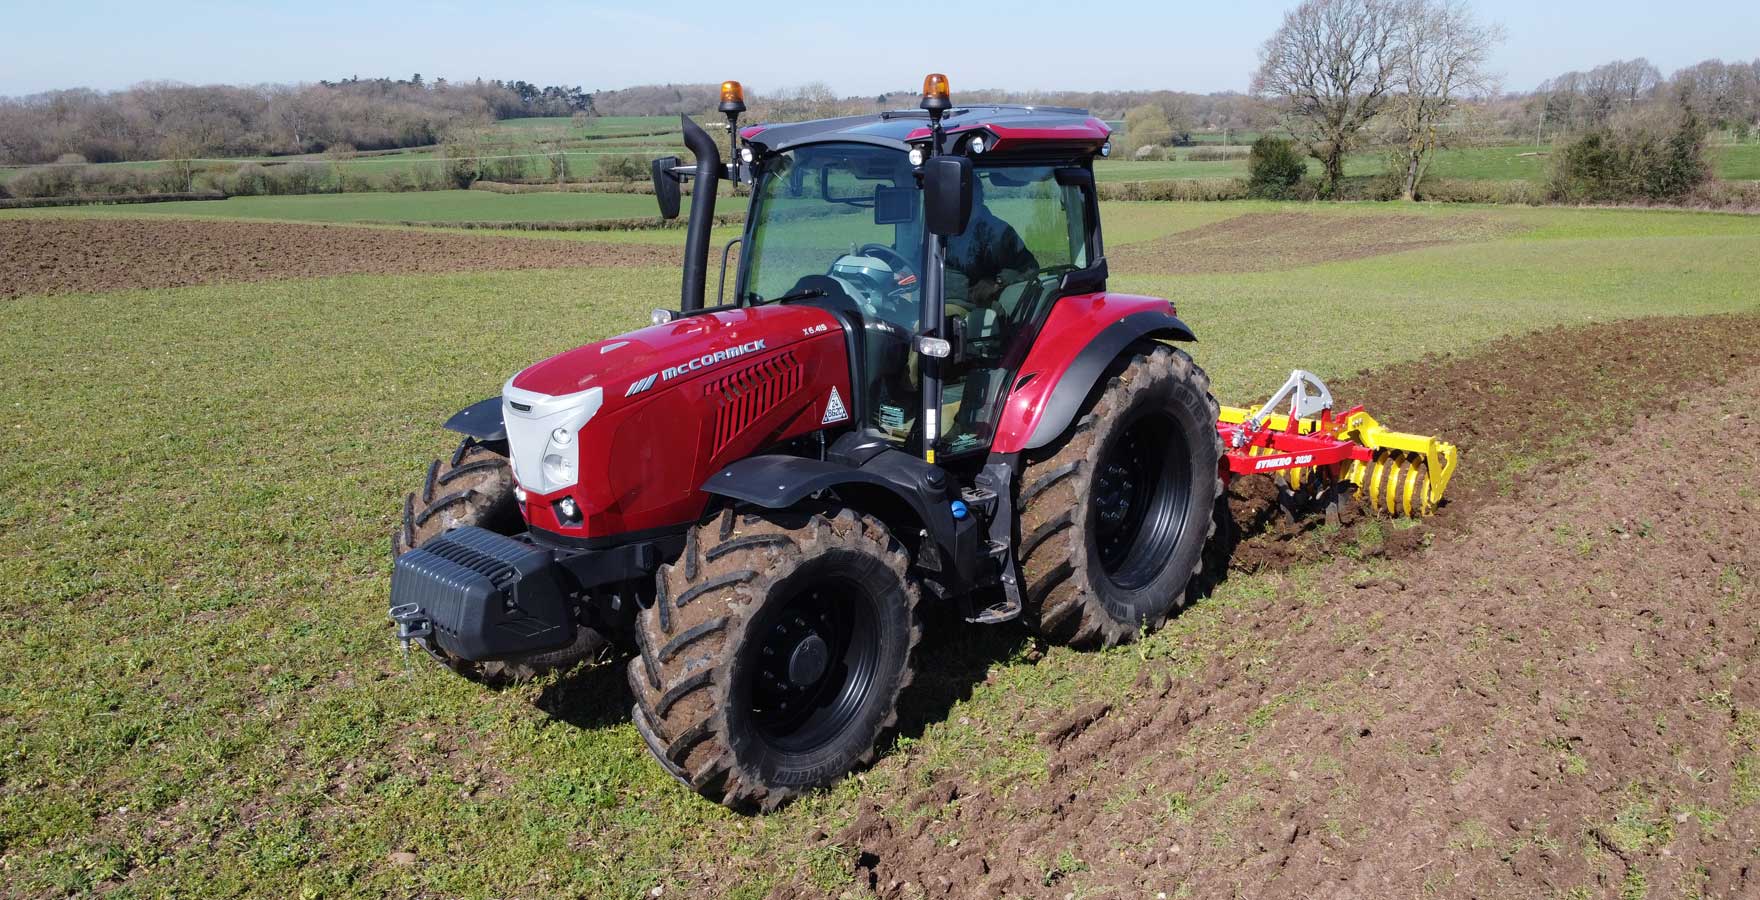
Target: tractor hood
[
  {"x": 619, "y": 434},
  {"x": 632, "y": 364}
]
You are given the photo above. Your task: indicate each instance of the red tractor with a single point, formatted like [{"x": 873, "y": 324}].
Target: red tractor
[{"x": 920, "y": 394}]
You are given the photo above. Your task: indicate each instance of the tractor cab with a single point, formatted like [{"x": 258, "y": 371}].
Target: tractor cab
[
  {"x": 840, "y": 218},
  {"x": 838, "y": 222}
]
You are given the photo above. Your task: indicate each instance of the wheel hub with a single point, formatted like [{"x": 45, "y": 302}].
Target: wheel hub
[
  {"x": 797, "y": 654},
  {"x": 813, "y": 665},
  {"x": 806, "y": 665},
  {"x": 1137, "y": 500},
  {"x": 1117, "y": 505}
]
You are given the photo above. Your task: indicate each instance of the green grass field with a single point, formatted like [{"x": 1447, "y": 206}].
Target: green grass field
[
  {"x": 1739, "y": 162},
  {"x": 1733, "y": 162},
  {"x": 598, "y": 126},
  {"x": 199, "y": 484}
]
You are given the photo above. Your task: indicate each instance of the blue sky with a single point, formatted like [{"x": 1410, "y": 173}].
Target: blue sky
[{"x": 854, "y": 47}]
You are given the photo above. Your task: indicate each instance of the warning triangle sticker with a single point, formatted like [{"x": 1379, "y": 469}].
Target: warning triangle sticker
[{"x": 834, "y": 411}]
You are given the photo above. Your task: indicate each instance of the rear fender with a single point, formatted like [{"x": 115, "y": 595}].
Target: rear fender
[
  {"x": 1081, "y": 338},
  {"x": 480, "y": 420}
]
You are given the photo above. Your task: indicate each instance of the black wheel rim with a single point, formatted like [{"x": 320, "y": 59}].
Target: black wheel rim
[
  {"x": 1138, "y": 501},
  {"x": 817, "y": 652}
]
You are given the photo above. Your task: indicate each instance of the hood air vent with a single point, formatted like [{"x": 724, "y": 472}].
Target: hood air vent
[{"x": 747, "y": 395}]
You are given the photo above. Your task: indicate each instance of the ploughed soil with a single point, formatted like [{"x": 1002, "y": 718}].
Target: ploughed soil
[
  {"x": 1555, "y": 695},
  {"x": 1263, "y": 242},
  {"x": 1518, "y": 407},
  {"x": 54, "y": 256}
]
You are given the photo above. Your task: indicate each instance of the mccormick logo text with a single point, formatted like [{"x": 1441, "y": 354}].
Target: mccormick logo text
[
  {"x": 719, "y": 356},
  {"x": 708, "y": 359}
]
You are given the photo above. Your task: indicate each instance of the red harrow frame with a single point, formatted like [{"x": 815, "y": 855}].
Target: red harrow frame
[{"x": 1396, "y": 473}]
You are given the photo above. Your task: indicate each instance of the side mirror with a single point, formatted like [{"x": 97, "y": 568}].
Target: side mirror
[
  {"x": 666, "y": 189},
  {"x": 947, "y": 194}
]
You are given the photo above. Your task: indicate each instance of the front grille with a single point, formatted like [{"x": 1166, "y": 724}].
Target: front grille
[{"x": 748, "y": 394}]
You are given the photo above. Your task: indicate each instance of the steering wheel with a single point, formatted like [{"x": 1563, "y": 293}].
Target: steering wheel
[{"x": 903, "y": 274}]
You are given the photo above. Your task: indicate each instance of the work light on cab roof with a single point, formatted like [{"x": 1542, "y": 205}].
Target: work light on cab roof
[{"x": 913, "y": 388}]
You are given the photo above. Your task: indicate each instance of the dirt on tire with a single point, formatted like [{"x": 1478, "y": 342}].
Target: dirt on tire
[
  {"x": 59, "y": 256},
  {"x": 1559, "y": 697},
  {"x": 1263, "y": 242},
  {"x": 1517, "y": 407}
]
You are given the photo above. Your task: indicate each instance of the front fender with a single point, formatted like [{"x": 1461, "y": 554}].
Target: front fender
[
  {"x": 920, "y": 493},
  {"x": 480, "y": 420},
  {"x": 1081, "y": 338}
]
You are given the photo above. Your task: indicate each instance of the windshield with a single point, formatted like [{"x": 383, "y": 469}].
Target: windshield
[
  {"x": 840, "y": 225},
  {"x": 837, "y": 218}
]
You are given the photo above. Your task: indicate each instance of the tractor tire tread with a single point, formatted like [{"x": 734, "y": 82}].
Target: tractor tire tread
[{"x": 729, "y": 563}]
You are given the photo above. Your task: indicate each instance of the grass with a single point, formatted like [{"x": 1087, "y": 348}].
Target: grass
[
  {"x": 1736, "y": 162},
  {"x": 598, "y": 126},
  {"x": 194, "y": 503}
]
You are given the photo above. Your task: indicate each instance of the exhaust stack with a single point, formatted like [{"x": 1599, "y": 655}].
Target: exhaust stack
[{"x": 696, "y": 241}]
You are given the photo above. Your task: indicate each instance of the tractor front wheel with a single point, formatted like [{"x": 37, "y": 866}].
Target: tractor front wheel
[
  {"x": 1114, "y": 519},
  {"x": 773, "y": 653},
  {"x": 474, "y": 486}
]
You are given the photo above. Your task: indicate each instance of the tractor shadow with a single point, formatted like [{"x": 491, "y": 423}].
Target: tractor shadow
[
  {"x": 952, "y": 659},
  {"x": 589, "y": 696}
]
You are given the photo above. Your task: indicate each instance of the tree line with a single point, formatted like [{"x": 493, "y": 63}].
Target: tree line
[
  {"x": 1725, "y": 95},
  {"x": 1410, "y": 77},
  {"x": 164, "y": 120}
]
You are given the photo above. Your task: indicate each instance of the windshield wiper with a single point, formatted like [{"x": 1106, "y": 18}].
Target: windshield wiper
[{"x": 808, "y": 294}]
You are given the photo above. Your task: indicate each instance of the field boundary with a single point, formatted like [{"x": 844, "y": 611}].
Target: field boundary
[
  {"x": 624, "y": 224},
  {"x": 106, "y": 199}
]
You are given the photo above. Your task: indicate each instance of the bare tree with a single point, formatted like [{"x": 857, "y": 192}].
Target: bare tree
[
  {"x": 1618, "y": 86},
  {"x": 1330, "y": 68},
  {"x": 1442, "y": 54}
]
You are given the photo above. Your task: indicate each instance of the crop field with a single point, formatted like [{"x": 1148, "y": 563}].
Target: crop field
[
  {"x": 598, "y": 126},
  {"x": 1550, "y": 690}
]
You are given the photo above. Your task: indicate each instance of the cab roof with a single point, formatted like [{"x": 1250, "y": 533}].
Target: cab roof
[{"x": 1008, "y": 129}]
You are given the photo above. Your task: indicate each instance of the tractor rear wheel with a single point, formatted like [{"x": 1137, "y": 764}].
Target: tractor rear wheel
[
  {"x": 1115, "y": 518},
  {"x": 474, "y": 486},
  {"x": 773, "y": 653}
]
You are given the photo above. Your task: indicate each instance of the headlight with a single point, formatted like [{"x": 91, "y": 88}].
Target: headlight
[
  {"x": 541, "y": 435},
  {"x": 559, "y": 469}
]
